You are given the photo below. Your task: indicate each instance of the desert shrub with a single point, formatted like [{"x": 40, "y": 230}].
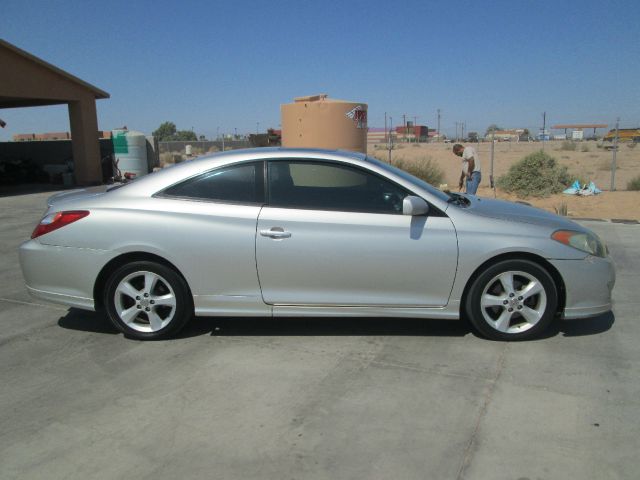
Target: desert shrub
[
  {"x": 585, "y": 148},
  {"x": 562, "y": 209},
  {"x": 634, "y": 183},
  {"x": 536, "y": 175},
  {"x": 568, "y": 145},
  {"x": 424, "y": 168}
]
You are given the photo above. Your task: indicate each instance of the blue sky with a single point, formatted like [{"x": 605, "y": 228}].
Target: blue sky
[{"x": 229, "y": 65}]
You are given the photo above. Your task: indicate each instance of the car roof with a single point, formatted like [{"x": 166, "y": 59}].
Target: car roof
[{"x": 268, "y": 152}]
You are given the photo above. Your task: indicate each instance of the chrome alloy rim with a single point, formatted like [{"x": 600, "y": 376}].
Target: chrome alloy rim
[
  {"x": 513, "y": 302},
  {"x": 145, "y": 301}
]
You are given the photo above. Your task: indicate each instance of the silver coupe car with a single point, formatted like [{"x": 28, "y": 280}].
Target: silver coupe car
[{"x": 292, "y": 233}]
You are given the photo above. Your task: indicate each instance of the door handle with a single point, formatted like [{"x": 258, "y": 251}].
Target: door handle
[{"x": 275, "y": 232}]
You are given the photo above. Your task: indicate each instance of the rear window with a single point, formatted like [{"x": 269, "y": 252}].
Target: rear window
[{"x": 241, "y": 183}]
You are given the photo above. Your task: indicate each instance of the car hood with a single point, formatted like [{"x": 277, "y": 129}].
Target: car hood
[
  {"x": 517, "y": 212},
  {"x": 78, "y": 194}
]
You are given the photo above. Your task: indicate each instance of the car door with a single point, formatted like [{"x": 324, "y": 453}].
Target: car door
[
  {"x": 207, "y": 227},
  {"x": 334, "y": 234}
]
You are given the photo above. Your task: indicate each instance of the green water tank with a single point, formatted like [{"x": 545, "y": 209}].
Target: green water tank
[{"x": 130, "y": 152}]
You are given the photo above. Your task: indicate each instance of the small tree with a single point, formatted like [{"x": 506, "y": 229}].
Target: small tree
[
  {"x": 492, "y": 128},
  {"x": 165, "y": 131},
  {"x": 185, "y": 136}
]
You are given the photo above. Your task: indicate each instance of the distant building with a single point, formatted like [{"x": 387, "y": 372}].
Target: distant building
[
  {"x": 505, "y": 135},
  {"x": 543, "y": 136},
  {"x": 412, "y": 133},
  {"x": 272, "y": 138}
]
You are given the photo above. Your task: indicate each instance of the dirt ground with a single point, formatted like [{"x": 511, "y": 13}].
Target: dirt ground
[{"x": 586, "y": 163}]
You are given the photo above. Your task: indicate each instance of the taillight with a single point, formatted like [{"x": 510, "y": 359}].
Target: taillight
[{"x": 57, "y": 220}]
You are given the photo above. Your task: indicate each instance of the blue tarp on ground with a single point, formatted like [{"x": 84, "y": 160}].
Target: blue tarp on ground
[{"x": 584, "y": 190}]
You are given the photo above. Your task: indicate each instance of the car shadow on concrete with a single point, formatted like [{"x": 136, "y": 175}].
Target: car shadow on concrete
[
  {"x": 86, "y": 321},
  {"x": 94, "y": 322},
  {"x": 585, "y": 326},
  {"x": 311, "y": 326}
]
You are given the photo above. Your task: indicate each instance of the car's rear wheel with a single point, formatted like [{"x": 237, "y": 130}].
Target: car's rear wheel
[
  {"x": 512, "y": 300},
  {"x": 147, "y": 300}
]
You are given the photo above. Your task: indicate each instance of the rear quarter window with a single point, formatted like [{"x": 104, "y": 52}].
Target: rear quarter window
[{"x": 234, "y": 184}]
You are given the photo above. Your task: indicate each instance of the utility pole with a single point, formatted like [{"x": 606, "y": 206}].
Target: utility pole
[
  {"x": 438, "y": 131},
  {"x": 456, "y": 131},
  {"x": 613, "y": 157},
  {"x": 463, "y": 126},
  {"x": 544, "y": 127},
  {"x": 415, "y": 125},
  {"x": 386, "y": 138},
  {"x": 390, "y": 142},
  {"x": 404, "y": 124},
  {"x": 493, "y": 144}
]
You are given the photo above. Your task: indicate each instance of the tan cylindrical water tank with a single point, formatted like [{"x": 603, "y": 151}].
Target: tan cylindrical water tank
[{"x": 321, "y": 122}]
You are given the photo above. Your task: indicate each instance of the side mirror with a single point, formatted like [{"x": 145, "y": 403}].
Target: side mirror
[{"x": 412, "y": 205}]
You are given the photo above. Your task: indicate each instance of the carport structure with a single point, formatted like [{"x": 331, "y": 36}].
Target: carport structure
[{"x": 28, "y": 81}]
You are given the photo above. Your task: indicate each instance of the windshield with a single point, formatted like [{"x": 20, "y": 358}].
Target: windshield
[{"x": 415, "y": 180}]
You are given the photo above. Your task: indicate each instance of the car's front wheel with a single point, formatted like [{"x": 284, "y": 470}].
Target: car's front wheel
[
  {"x": 512, "y": 300},
  {"x": 147, "y": 300}
]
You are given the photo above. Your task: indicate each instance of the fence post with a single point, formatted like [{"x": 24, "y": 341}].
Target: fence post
[{"x": 613, "y": 158}]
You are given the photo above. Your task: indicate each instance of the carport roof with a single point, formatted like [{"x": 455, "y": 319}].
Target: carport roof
[{"x": 17, "y": 102}]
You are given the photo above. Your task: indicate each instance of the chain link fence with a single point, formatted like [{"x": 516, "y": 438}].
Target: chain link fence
[
  {"x": 179, "y": 151},
  {"x": 202, "y": 147}
]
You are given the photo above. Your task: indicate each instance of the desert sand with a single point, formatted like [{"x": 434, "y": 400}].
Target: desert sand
[{"x": 587, "y": 163}]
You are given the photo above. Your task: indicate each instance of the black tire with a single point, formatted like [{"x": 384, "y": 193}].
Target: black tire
[
  {"x": 503, "y": 313},
  {"x": 147, "y": 300}
]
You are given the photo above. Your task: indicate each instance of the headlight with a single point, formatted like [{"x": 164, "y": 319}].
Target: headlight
[{"x": 585, "y": 242}]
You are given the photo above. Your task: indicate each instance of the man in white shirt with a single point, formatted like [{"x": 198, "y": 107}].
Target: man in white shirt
[{"x": 470, "y": 167}]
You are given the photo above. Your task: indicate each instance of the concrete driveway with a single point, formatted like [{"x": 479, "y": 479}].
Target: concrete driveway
[{"x": 314, "y": 398}]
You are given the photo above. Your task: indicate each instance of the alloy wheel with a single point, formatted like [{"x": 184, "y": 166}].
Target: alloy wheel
[
  {"x": 145, "y": 301},
  {"x": 513, "y": 302}
]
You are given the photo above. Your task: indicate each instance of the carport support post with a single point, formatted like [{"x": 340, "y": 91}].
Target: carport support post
[{"x": 84, "y": 141}]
